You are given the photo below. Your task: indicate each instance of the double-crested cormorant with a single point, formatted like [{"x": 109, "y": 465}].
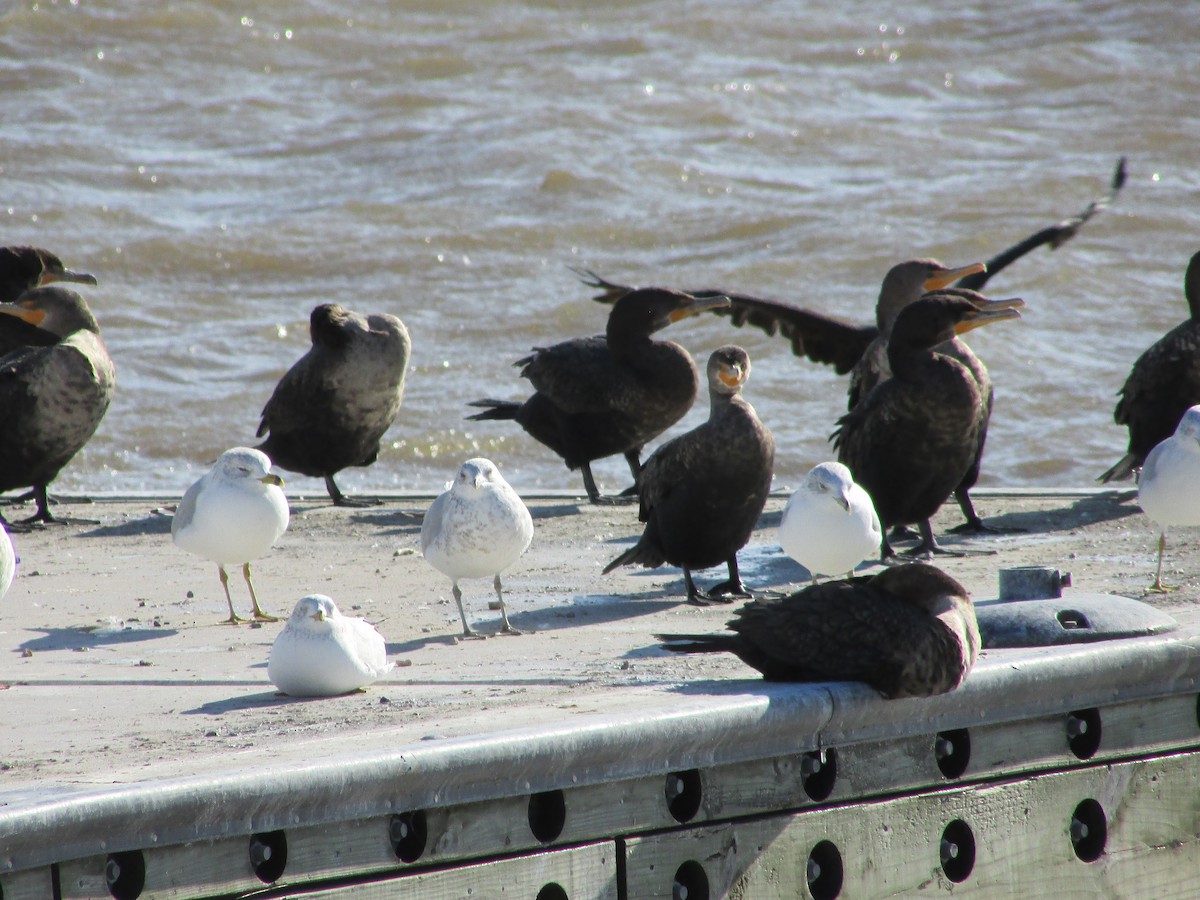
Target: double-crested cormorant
[
  {"x": 909, "y": 631},
  {"x": 54, "y": 388},
  {"x": 25, "y": 268},
  {"x": 322, "y": 653},
  {"x": 702, "y": 492},
  {"x": 1169, "y": 484},
  {"x": 478, "y": 527},
  {"x": 1164, "y": 383},
  {"x": 829, "y": 524},
  {"x": 331, "y": 408},
  {"x": 861, "y": 349},
  {"x": 611, "y": 393},
  {"x": 233, "y": 515},
  {"x": 911, "y": 440}
]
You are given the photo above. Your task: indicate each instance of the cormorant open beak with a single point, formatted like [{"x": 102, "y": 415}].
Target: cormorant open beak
[
  {"x": 732, "y": 374},
  {"x": 699, "y": 305},
  {"x": 50, "y": 276},
  {"x": 272, "y": 478},
  {"x": 992, "y": 311},
  {"x": 947, "y": 277}
]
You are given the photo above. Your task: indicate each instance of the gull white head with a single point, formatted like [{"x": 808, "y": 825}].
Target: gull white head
[
  {"x": 477, "y": 474},
  {"x": 314, "y": 613},
  {"x": 830, "y": 480}
]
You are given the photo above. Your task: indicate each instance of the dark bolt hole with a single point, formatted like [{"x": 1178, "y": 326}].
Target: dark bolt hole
[
  {"x": 125, "y": 874},
  {"x": 547, "y": 815},
  {"x": 1083, "y": 732},
  {"x": 1073, "y": 620},
  {"x": 268, "y": 855},
  {"x": 1089, "y": 830},
  {"x": 820, "y": 774},
  {"x": 691, "y": 882},
  {"x": 958, "y": 851},
  {"x": 552, "y": 891},
  {"x": 683, "y": 791},
  {"x": 408, "y": 834},
  {"x": 952, "y": 750},
  {"x": 824, "y": 871}
]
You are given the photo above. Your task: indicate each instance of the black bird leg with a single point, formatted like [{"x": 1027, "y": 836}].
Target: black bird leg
[
  {"x": 340, "y": 499},
  {"x": 725, "y": 592}
]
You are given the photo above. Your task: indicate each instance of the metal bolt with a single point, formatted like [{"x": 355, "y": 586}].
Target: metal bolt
[
  {"x": 943, "y": 747},
  {"x": 675, "y": 787},
  {"x": 1076, "y": 726},
  {"x": 679, "y": 891},
  {"x": 1079, "y": 830},
  {"x": 949, "y": 851},
  {"x": 112, "y": 872},
  {"x": 259, "y": 853},
  {"x": 814, "y": 871},
  {"x": 810, "y": 765},
  {"x": 399, "y": 829}
]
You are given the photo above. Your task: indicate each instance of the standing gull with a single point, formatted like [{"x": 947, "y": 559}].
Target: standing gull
[
  {"x": 332, "y": 407},
  {"x": 477, "y": 527},
  {"x": 233, "y": 515},
  {"x": 56, "y": 383},
  {"x": 610, "y": 393},
  {"x": 829, "y": 524},
  {"x": 702, "y": 492},
  {"x": 1169, "y": 484},
  {"x": 907, "y": 632},
  {"x": 1163, "y": 383},
  {"x": 322, "y": 653}
]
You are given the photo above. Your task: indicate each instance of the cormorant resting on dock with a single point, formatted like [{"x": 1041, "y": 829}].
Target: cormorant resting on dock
[
  {"x": 1163, "y": 384},
  {"x": 702, "y": 492},
  {"x": 911, "y": 440},
  {"x": 54, "y": 388},
  {"x": 332, "y": 407},
  {"x": 909, "y": 631},
  {"x": 611, "y": 393}
]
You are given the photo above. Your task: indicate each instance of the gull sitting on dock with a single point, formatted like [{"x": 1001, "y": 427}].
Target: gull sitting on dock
[
  {"x": 322, "y": 653},
  {"x": 477, "y": 527},
  {"x": 233, "y": 515},
  {"x": 829, "y": 524},
  {"x": 1169, "y": 483}
]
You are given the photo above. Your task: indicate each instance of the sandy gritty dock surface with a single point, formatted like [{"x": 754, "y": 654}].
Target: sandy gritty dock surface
[{"x": 114, "y": 666}]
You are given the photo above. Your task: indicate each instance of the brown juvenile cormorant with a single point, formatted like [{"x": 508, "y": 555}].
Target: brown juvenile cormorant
[
  {"x": 25, "y": 268},
  {"x": 909, "y": 631},
  {"x": 52, "y": 397},
  {"x": 911, "y": 440},
  {"x": 610, "y": 393},
  {"x": 1164, "y": 383},
  {"x": 702, "y": 492},
  {"x": 332, "y": 407}
]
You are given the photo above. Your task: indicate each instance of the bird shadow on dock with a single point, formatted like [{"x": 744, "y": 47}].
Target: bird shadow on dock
[
  {"x": 156, "y": 521},
  {"x": 81, "y": 638},
  {"x": 263, "y": 700},
  {"x": 1081, "y": 513}
]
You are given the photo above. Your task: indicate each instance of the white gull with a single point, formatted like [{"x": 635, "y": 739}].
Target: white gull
[
  {"x": 829, "y": 524},
  {"x": 322, "y": 653}
]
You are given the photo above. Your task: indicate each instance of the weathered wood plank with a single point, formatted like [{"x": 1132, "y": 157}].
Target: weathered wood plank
[
  {"x": 1021, "y": 832},
  {"x": 588, "y": 871},
  {"x": 32, "y": 884}
]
